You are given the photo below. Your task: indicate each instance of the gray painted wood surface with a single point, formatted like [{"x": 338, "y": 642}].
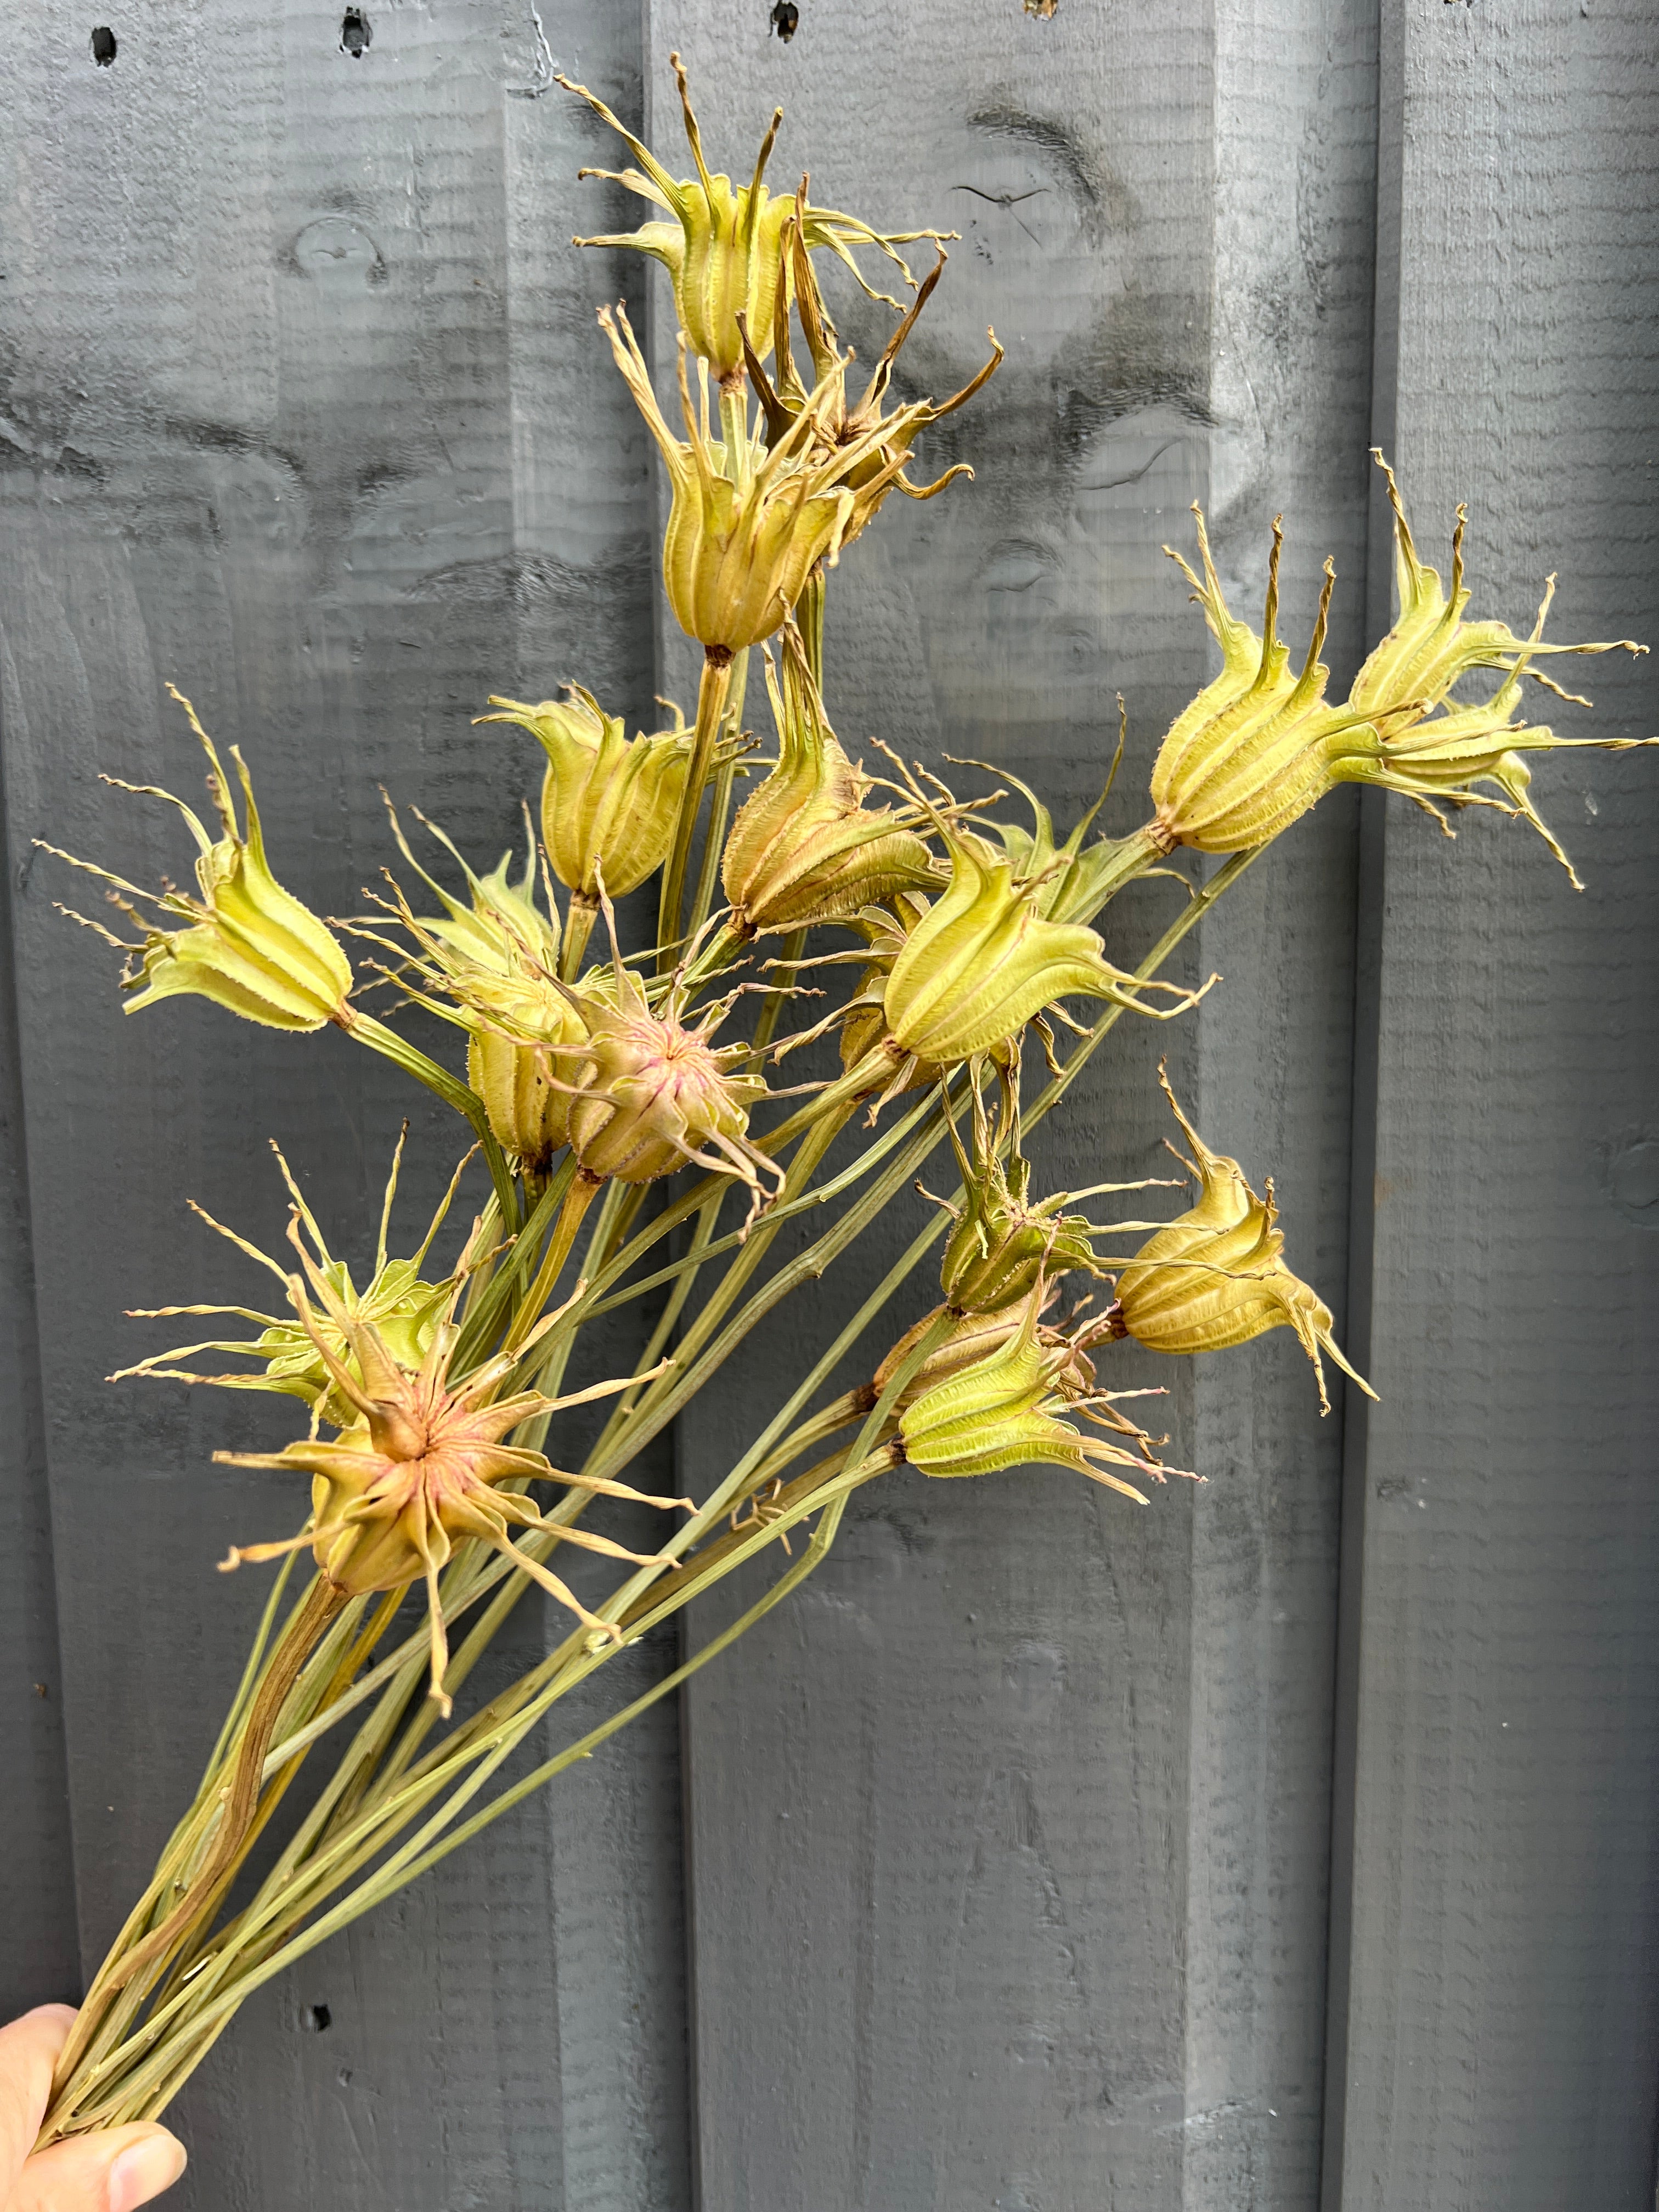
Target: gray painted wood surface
[{"x": 1010, "y": 1849}]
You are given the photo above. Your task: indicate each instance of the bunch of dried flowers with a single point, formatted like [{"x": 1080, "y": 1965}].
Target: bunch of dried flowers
[{"x": 594, "y": 1082}]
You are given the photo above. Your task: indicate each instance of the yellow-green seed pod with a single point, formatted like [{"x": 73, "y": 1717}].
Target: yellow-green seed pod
[
  {"x": 1253, "y": 751},
  {"x": 491, "y": 967},
  {"x": 404, "y": 1310},
  {"x": 804, "y": 848},
  {"x": 981, "y": 961},
  {"x": 1439, "y": 757},
  {"x": 250, "y": 946},
  {"x": 1216, "y": 1277},
  {"x": 1000, "y": 1245},
  {"x": 723, "y": 246},
  {"x": 746, "y": 527},
  {"x": 654, "y": 1095},
  {"x": 420, "y": 1465},
  {"x": 1001, "y": 1410},
  {"x": 784, "y": 398},
  {"x": 1430, "y": 645},
  {"x": 608, "y": 805}
]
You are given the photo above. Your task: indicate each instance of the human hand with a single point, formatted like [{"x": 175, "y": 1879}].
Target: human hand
[{"x": 110, "y": 2171}]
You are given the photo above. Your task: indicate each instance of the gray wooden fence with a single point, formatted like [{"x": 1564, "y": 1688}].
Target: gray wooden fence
[{"x": 1293, "y": 1843}]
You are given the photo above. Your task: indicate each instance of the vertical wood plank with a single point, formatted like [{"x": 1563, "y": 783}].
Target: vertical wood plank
[
  {"x": 38, "y": 1952},
  {"x": 1494, "y": 2028},
  {"x": 1008, "y": 1838},
  {"x": 300, "y": 417}
]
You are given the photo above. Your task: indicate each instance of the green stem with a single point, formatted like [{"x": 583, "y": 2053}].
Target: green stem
[{"x": 712, "y": 692}]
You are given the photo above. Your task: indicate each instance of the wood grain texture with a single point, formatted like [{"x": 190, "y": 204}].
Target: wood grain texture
[
  {"x": 1034, "y": 1789},
  {"x": 299, "y": 418},
  {"x": 38, "y": 1952},
  {"x": 1493, "y": 2035}
]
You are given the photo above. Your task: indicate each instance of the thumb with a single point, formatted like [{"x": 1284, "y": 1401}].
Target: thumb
[{"x": 113, "y": 2171}]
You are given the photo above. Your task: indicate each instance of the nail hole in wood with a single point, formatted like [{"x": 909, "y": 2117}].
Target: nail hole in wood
[
  {"x": 356, "y": 36},
  {"x": 103, "y": 46}
]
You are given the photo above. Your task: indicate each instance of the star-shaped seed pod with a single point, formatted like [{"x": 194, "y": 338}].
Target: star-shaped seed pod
[
  {"x": 247, "y": 943},
  {"x": 1216, "y": 1277},
  {"x": 419, "y": 1467},
  {"x": 885, "y": 439},
  {"x": 1004, "y": 1407},
  {"x": 748, "y": 524},
  {"x": 651, "y": 1091},
  {"x": 804, "y": 848},
  {"x": 396, "y": 1302},
  {"x": 721, "y": 246}
]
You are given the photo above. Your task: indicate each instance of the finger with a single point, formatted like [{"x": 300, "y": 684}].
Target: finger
[
  {"x": 28, "y": 2052},
  {"x": 113, "y": 2171}
]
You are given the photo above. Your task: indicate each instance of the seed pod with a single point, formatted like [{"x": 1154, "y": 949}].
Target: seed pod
[
  {"x": 403, "y": 1310},
  {"x": 1438, "y": 758},
  {"x": 1430, "y": 645},
  {"x": 746, "y": 527},
  {"x": 1000, "y": 1410},
  {"x": 786, "y": 399},
  {"x": 609, "y": 805},
  {"x": 491, "y": 968},
  {"x": 722, "y": 247},
  {"x": 1000, "y": 1245},
  {"x": 420, "y": 1465},
  {"x": 250, "y": 946},
  {"x": 804, "y": 848},
  {"x": 982, "y": 961},
  {"x": 1216, "y": 1277},
  {"x": 649, "y": 1093},
  {"x": 1253, "y": 752}
]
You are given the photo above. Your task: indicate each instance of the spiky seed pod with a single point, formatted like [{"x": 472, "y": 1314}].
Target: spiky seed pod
[
  {"x": 1000, "y": 1244},
  {"x": 420, "y": 1465},
  {"x": 651, "y": 1093},
  {"x": 248, "y": 945},
  {"x": 982, "y": 962},
  {"x": 1439, "y": 757},
  {"x": 609, "y": 804},
  {"x": 403, "y": 1309},
  {"x": 972, "y": 1336},
  {"x": 1254, "y": 751},
  {"x": 491, "y": 967},
  {"x": 805, "y": 848},
  {"x": 1216, "y": 1277},
  {"x": 785, "y": 400},
  {"x": 747, "y": 527},
  {"x": 722, "y": 246},
  {"x": 1002, "y": 1410},
  {"x": 1430, "y": 645}
]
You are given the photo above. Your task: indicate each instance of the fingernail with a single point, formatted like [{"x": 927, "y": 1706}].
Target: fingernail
[{"x": 143, "y": 2170}]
